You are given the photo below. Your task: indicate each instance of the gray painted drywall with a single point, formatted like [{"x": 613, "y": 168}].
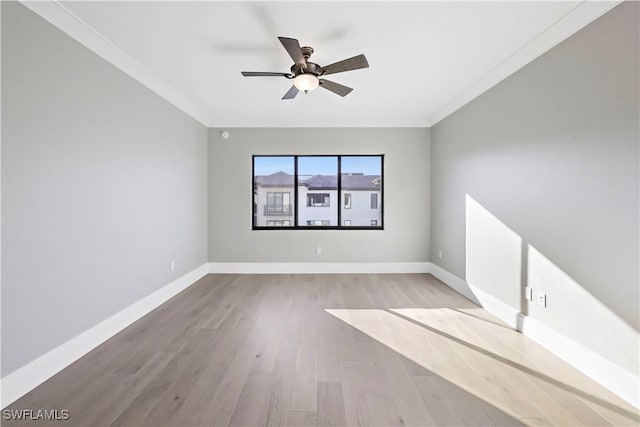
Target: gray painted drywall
[
  {"x": 406, "y": 197},
  {"x": 552, "y": 153},
  {"x": 103, "y": 184}
]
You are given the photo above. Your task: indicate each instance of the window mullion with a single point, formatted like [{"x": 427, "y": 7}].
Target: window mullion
[
  {"x": 295, "y": 191},
  {"x": 339, "y": 201}
]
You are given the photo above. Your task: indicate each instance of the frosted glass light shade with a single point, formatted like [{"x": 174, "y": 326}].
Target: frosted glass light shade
[{"x": 306, "y": 82}]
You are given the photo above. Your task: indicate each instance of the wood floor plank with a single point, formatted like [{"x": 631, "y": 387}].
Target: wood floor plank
[
  {"x": 191, "y": 363},
  {"x": 305, "y": 384},
  {"x": 252, "y": 406},
  {"x": 269, "y": 326},
  {"x": 380, "y": 396},
  {"x": 536, "y": 422},
  {"x": 403, "y": 394},
  {"x": 498, "y": 416},
  {"x": 330, "y": 405},
  {"x": 336, "y": 341},
  {"x": 125, "y": 389},
  {"x": 328, "y": 358},
  {"x": 302, "y": 419},
  {"x": 144, "y": 403},
  {"x": 441, "y": 409},
  {"x": 467, "y": 406},
  {"x": 354, "y": 392},
  {"x": 304, "y": 392},
  {"x": 283, "y": 378},
  {"x": 212, "y": 400}
]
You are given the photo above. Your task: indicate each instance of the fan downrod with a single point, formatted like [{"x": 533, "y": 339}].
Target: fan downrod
[{"x": 307, "y": 51}]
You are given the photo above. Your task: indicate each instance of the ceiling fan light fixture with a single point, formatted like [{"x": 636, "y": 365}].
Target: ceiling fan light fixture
[
  {"x": 305, "y": 74},
  {"x": 306, "y": 82}
]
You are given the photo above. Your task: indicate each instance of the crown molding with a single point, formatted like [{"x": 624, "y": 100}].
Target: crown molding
[
  {"x": 61, "y": 17},
  {"x": 573, "y": 21}
]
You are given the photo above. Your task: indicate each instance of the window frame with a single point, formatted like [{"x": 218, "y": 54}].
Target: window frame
[{"x": 295, "y": 202}]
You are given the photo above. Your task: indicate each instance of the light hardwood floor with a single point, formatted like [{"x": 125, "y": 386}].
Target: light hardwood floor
[{"x": 325, "y": 350}]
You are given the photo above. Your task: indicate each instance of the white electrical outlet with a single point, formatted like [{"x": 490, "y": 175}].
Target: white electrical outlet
[
  {"x": 542, "y": 299},
  {"x": 528, "y": 293},
  {"x": 440, "y": 254},
  {"x": 172, "y": 266},
  {"x": 318, "y": 250}
]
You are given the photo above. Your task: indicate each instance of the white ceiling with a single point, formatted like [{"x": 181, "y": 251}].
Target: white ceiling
[{"x": 426, "y": 58}]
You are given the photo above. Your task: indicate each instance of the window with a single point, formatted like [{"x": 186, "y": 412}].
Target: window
[
  {"x": 277, "y": 203},
  {"x": 278, "y": 223},
  {"x": 347, "y": 200},
  {"x": 318, "y": 199},
  {"x": 374, "y": 201},
  {"x": 318, "y": 222},
  {"x": 317, "y": 192}
]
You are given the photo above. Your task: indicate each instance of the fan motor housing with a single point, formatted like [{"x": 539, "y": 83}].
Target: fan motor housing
[{"x": 312, "y": 68}]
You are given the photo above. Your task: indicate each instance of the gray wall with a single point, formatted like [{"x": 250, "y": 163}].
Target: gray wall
[
  {"x": 551, "y": 155},
  {"x": 103, "y": 184},
  {"x": 406, "y": 193}
]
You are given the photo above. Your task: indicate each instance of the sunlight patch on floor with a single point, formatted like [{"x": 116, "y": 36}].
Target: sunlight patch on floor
[{"x": 477, "y": 353}]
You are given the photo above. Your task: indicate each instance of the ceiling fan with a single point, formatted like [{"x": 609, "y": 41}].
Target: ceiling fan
[{"x": 306, "y": 75}]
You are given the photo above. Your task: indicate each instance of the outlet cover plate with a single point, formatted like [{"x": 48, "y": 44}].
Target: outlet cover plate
[{"x": 542, "y": 299}]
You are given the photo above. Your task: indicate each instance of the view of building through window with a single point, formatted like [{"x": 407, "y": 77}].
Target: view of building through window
[
  {"x": 361, "y": 182},
  {"x": 317, "y": 196},
  {"x": 273, "y": 191},
  {"x": 317, "y": 191}
]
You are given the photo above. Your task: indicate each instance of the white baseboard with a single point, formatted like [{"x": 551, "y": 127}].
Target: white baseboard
[
  {"x": 21, "y": 381},
  {"x": 603, "y": 371},
  {"x": 318, "y": 267},
  {"x": 453, "y": 281},
  {"x": 498, "y": 308}
]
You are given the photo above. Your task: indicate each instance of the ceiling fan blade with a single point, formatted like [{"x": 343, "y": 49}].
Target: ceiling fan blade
[
  {"x": 263, "y": 74},
  {"x": 355, "y": 63},
  {"x": 291, "y": 93},
  {"x": 292, "y": 46},
  {"x": 335, "y": 87}
]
